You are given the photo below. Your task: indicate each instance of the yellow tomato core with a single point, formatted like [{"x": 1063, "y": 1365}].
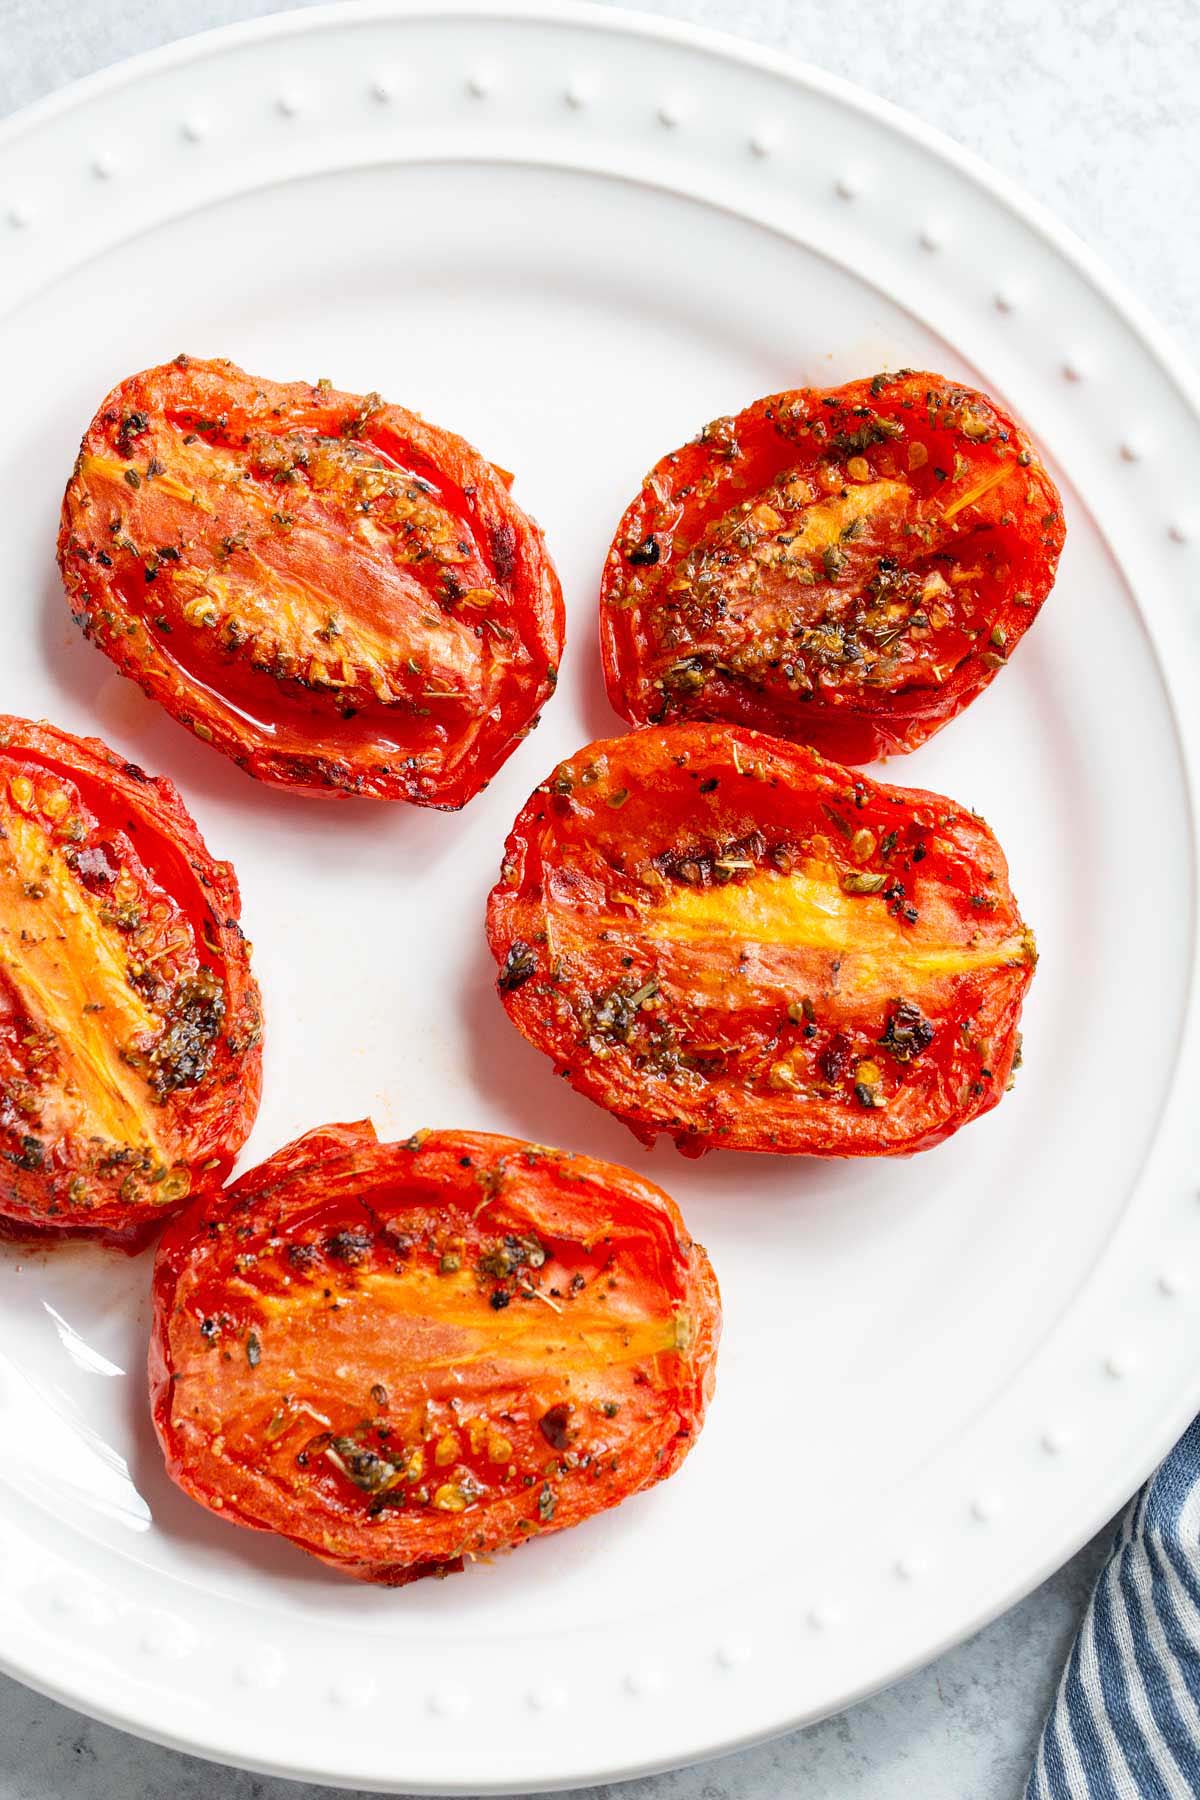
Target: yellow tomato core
[
  {"x": 809, "y": 908},
  {"x": 68, "y": 969}
]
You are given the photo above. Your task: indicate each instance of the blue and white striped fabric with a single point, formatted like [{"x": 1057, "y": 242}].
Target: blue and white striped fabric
[{"x": 1125, "y": 1723}]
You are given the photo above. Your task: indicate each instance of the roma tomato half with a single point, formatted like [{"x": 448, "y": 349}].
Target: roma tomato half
[
  {"x": 846, "y": 567},
  {"x": 339, "y": 596},
  {"x": 721, "y": 936},
  {"x": 130, "y": 1025},
  {"x": 403, "y": 1356}
]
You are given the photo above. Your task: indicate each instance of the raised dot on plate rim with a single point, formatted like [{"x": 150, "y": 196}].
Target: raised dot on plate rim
[
  {"x": 848, "y": 185},
  {"x": 194, "y": 129},
  {"x": 733, "y": 1654},
  {"x": 265, "y": 1671},
  {"x": 166, "y": 1640},
  {"x": 1178, "y": 532},
  {"x": 545, "y": 1699},
  {"x": 1169, "y": 1284},
  {"x": 287, "y": 104},
  {"x": 479, "y": 84},
  {"x": 931, "y": 236},
  {"x": 576, "y": 95},
  {"x": 17, "y": 216},
  {"x": 353, "y": 1694},
  {"x": 1052, "y": 1442},
  {"x": 103, "y": 165},
  {"x": 446, "y": 1703},
  {"x": 382, "y": 90},
  {"x": 669, "y": 113},
  {"x": 761, "y": 142}
]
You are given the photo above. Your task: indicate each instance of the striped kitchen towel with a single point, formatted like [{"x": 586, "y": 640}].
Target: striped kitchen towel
[{"x": 1125, "y": 1723}]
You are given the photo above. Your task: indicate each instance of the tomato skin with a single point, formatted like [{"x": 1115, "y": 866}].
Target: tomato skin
[
  {"x": 845, "y": 567},
  {"x": 339, "y": 596},
  {"x": 130, "y": 1021},
  {"x": 721, "y": 936},
  {"x": 352, "y": 1322}
]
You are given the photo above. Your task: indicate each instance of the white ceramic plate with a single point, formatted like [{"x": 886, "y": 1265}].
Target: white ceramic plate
[{"x": 575, "y": 236}]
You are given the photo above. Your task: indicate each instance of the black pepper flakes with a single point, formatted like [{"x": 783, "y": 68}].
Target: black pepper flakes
[{"x": 519, "y": 965}]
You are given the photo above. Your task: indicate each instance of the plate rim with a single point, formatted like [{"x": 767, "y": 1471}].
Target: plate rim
[
  {"x": 1157, "y": 338},
  {"x": 1132, "y": 312}
]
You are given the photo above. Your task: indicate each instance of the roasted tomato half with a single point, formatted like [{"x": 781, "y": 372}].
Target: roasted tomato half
[
  {"x": 129, "y": 1019},
  {"x": 403, "y": 1356},
  {"x": 847, "y": 567},
  {"x": 339, "y": 596},
  {"x": 721, "y": 936}
]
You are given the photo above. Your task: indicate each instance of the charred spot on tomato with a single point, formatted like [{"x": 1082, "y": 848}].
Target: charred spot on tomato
[
  {"x": 390, "y": 1497},
  {"x": 195, "y": 1015},
  {"x": 510, "y": 1254},
  {"x": 518, "y": 967},
  {"x": 852, "y": 577},
  {"x": 360, "y": 1464},
  {"x": 350, "y": 1246},
  {"x": 687, "y": 675},
  {"x": 30, "y": 1155},
  {"x": 554, "y": 1426},
  {"x": 712, "y": 864},
  {"x": 907, "y": 1032},
  {"x": 783, "y": 980},
  {"x": 613, "y": 1014},
  {"x": 394, "y": 1406}
]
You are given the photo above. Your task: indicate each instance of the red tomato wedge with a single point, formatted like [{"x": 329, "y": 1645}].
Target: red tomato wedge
[
  {"x": 720, "y": 936},
  {"x": 405, "y": 1356},
  {"x": 846, "y": 567},
  {"x": 130, "y": 1026},
  {"x": 339, "y": 596}
]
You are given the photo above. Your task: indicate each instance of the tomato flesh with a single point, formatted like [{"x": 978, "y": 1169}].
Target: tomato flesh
[
  {"x": 130, "y": 1064},
  {"x": 336, "y": 594},
  {"x": 846, "y": 567},
  {"x": 401, "y": 1356},
  {"x": 721, "y": 936}
]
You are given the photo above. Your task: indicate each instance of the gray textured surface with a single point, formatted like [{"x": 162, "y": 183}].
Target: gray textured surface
[{"x": 1093, "y": 106}]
